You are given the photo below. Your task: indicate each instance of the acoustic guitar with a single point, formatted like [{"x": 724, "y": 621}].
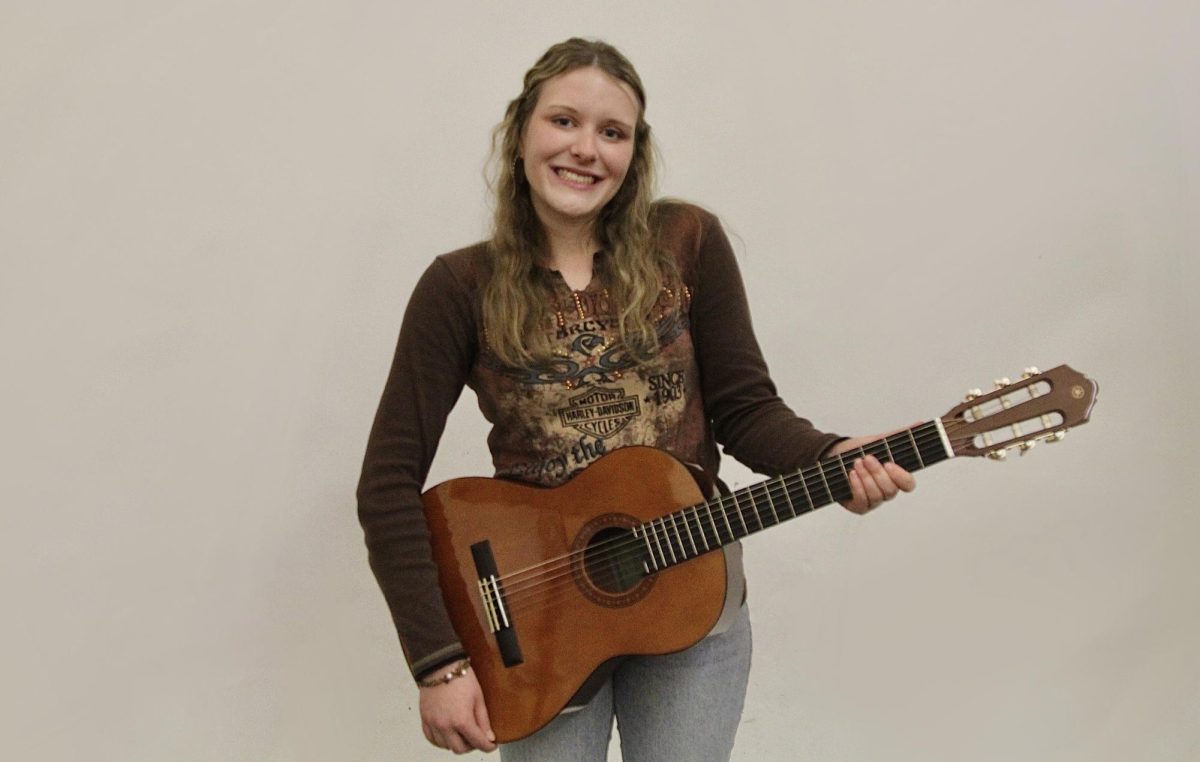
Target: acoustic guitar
[{"x": 549, "y": 587}]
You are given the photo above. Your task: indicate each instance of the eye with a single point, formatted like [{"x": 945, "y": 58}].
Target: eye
[
  {"x": 612, "y": 133},
  {"x": 562, "y": 121}
]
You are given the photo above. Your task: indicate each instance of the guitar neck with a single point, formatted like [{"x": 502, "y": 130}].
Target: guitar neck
[{"x": 700, "y": 528}]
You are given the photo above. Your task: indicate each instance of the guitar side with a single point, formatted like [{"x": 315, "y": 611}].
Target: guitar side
[{"x": 566, "y": 626}]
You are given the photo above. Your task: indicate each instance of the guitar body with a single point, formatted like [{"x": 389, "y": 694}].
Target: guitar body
[{"x": 571, "y": 617}]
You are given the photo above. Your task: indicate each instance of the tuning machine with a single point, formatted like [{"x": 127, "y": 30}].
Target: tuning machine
[
  {"x": 1000, "y": 454},
  {"x": 1030, "y": 372},
  {"x": 1002, "y": 382},
  {"x": 974, "y": 394},
  {"x": 1055, "y": 436}
]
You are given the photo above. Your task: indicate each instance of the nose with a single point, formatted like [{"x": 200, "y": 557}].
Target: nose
[{"x": 584, "y": 146}]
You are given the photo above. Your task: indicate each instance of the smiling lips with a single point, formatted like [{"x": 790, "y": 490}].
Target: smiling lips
[{"x": 575, "y": 177}]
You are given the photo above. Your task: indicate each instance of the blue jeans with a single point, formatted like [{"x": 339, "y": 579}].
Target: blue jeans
[{"x": 681, "y": 706}]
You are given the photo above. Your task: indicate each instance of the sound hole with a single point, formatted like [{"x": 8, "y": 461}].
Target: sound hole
[{"x": 613, "y": 560}]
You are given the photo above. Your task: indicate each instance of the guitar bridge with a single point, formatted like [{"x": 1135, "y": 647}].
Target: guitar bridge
[{"x": 495, "y": 604}]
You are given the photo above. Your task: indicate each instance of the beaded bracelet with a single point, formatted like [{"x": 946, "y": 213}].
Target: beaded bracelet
[{"x": 457, "y": 671}]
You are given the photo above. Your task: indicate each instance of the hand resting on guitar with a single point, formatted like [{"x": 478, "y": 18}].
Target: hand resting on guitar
[{"x": 454, "y": 715}]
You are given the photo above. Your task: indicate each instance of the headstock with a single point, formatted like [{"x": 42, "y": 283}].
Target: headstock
[{"x": 1017, "y": 414}]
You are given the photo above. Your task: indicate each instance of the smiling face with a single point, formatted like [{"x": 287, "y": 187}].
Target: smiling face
[{"x": 578, "y": 144}]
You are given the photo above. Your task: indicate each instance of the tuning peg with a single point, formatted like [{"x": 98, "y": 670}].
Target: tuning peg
[
  {"x": 1056, "y": 436},
  {"x": 974, "y": 394},
  {"x": 998, "y": 454},
  {"x": 1002, "y": 382},
  {"x": 1025, "y": 447},
  {"x": 1030, "y": 372}
]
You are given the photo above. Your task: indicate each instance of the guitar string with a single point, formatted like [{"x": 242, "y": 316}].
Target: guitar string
[
  {"x": 627, "y": 546},
  {"x": 771, "y": 489},
  {"x": 517, "y": 584},
  {"x": 538, "y": 592},
  {"x": 921, "y": 430},
  {"x": 814, "y": 481},
  {"x": 810, "y": 472},
  {"x": 561, "y": 584}
]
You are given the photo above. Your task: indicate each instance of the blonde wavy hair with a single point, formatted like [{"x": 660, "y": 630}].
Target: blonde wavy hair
[{"x": 516, "y": 307}]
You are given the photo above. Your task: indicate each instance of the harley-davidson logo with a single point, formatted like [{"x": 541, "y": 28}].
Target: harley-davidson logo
[{"x": 600, "y": 412}]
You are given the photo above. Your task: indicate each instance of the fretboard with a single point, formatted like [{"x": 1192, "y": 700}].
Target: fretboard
[{"x": 700, "y": 528}]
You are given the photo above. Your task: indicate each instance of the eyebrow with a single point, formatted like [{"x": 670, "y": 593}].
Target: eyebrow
[{"x": 573, "y": 110}]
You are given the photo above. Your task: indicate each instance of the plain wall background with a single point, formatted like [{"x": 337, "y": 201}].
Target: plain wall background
[{"x": 212, "y": 213}]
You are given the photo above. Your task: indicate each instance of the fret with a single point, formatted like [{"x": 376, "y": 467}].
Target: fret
[
  {"x": 641, "y": 531},
  {"x": 700, "y": 525},
  {"x": 711, "y": 520},
  {"x": 741, "y": 518},
  {"x": 887, "y": 447},
  {"x": 661, "y": 555},
  {"x": 667, "y": 538},
  {"x": 755, "y": 507},
  {"x": 845, "y": 475},
  {"x": 902, "y": 445},
  {"x": 770, "y": 501},
  {"x": 678, "y": 536},
  {"x": 916, "y": 449},
  {"x": 741, "y": 511},
  {"x": 725, "y": 518},
  {"x": 879, "y": 450},
  {"x": 762, "y": 505},
  {"x": 688, "y": 527},
  {"x": 807, "y": 494},
  {"x": 828, "y": 491},
  {"x": 935, "y": 451},
  {"x": 787, "y": 493}
]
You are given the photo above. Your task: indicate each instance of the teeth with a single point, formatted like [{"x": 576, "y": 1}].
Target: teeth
[{"x": 567, "y": 174}]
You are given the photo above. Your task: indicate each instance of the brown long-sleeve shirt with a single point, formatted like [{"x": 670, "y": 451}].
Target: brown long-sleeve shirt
[{"x": 707, "y": 384}]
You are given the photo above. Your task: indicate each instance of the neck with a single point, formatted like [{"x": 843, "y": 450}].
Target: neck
[
  {"x": 569, "y": 244},
  {"x": 569, "y": 250}
]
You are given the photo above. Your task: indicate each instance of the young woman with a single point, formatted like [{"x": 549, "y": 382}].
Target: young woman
[{"x": 594, "y": 318}]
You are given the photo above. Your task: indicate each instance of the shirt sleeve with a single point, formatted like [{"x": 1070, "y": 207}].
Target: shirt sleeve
[
  {"x": 748, "y": 418},
  {"x": 433, "y": 358}
]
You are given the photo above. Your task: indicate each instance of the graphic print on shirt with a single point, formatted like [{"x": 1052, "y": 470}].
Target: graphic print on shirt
[
  {"x": 665, "y": 387},
  {"x": 593, "y": 396},
  {"x": 601, "y": 412}
]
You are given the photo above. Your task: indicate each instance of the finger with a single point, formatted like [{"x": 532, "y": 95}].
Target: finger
[
  {"x": 889, "y": 478},
  {"x": 858, "y": 502},
  {"x": 871, "y": 481},
  {"x": 485, "y": 726},
  {"x": 905, "y": 481},
  {"x": 477, "y": 736},
  {"x": 457, "y": 744},
  {"x": 428, "y": 734}
]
